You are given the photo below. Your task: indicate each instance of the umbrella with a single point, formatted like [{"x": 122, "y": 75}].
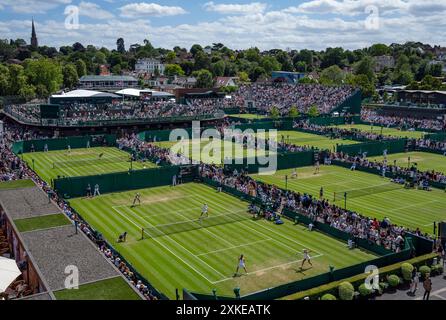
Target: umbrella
[{"x": 8, "y": 272}]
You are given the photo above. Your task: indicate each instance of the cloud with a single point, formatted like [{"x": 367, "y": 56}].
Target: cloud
[
  {"x": 33, "y": 6},
  {"x": 349, "y": 7},
  {"x": 142, "y": 9},
  {"x": 252, "y": 8},
  {"x": 94, "y": 11}
]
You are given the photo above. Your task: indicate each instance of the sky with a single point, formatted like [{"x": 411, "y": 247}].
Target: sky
[{"x": 239, "y": 24}]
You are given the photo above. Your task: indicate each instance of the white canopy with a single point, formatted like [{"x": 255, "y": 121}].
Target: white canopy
[{"x": 8, "y": 272}]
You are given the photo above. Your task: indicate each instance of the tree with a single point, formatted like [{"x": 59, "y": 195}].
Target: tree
[
  {"x": 27, "y": 92},
  {"x": 171, "y": 56},
  {"x": 81, "y": 68},
  {"x": 270, "y": 64},
  {"x": 204, "y": 79},
  {"x": 173, "y": 70},
  {"x": 333, "y": 56},
  {"x": 202, "y": 61},
  {"x": 44, "y": 74},
  {"x": 332, "y": 76},
  {"x": 436, "y": 69},
  {"x": 294, "y": 112},
  {"x": 313, "y": 111},
  {"x": 4, "y": 80},
  {"x": 195, "y": 49},
  {"x": 363, "y": 82},
  {"x": 274, "y": 113},
  {"x": 257, "y": 73},
  {"x": 120, "y": 45},
  {"x": 366, "y": 67},
  {"x": 243, "y": 76},
  {"x": 301, "y": 66},
  {"x": 70, "y": 77},
  {"x": 218, "y": 68},
  {"x": 379, "y": 49},
  {"x": 17, "y": 79}
]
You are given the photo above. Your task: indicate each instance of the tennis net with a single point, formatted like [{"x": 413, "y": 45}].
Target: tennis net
[
  {"x": 356, "y": 193},
  {"x": 88, "y": 162},
  {"x": 189, "y": 225}
]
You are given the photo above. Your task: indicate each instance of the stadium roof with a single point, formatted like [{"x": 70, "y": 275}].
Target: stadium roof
[
  {"x": 107, "y": 78},
  {"x": 85, "y": 94},
  {"x": 137, "y": 92}
]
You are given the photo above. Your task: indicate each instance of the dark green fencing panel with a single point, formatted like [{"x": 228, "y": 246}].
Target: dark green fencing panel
[
  {"x": 63, "y": 143},
  {"x": 284, "y": 161},
  {"x": 333, "y": 121},
  {"x": 374, "y": 148},
  {"x": 436, "y": 136},
  {"x": 351, "y": 105},
  {"x": 114, "y": 182}
]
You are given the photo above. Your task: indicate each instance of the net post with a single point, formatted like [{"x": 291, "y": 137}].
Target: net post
[{"x": 142, "y": 233}]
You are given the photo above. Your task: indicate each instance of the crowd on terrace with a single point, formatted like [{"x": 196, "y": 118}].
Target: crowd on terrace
[
  {"x": 285, "y": 96},
  {"x": 410, "y": 171},
  {"x": 264, "y": 96},
  {"x": 369, "y": 115},
  {"x": 382, "y": 233},
  {"x": 341, "y": 133}
]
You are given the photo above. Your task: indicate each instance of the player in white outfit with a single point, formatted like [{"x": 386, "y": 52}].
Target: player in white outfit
[
  {"x": 306, "y": 258},
  {"x": 241, "y": 264}
]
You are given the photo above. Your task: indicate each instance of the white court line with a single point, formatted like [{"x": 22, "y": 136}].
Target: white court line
[
  {"x": 281, "y": 235},
  {"x": 269, "y": 268},
  {"x": 413, "y": 205},
  {"x": 168, "y": 249},
  {"x": 160, "y": 214},
  {"x": 213, "y": 235},
  {"x": 185, "y": 249},
  {"x": 233, "y": 247}
]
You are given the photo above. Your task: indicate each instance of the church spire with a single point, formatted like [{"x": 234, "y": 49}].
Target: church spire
[{"x": 34, "y": 42}]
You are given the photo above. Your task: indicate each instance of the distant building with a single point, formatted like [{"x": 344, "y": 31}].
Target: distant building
[
  {"x": 225, "y": 82},
  {"x": 34, "y": 41},
  {"x": 103, "y": 70},
  {"x": 287, "y": 77},
  {"x": 382, "y": 62},
  {"x": 185, "y": 82},
  {"x": 149, "y": 66},
  {"x": 107, "y": 82}
]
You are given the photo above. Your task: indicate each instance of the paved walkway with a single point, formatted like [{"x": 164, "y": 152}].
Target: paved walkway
[{"x": 438, "y": 291}]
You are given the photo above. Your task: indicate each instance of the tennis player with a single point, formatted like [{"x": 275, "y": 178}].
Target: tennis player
[
  {"x": 307, "y": 258},
  {"x": 317, "y": 167},
  {"x": 69, "y": 149},
  {"x": 204, "y": 211},
  {"x": 294, "y": 174},
  {"x": 241, "y": 264},
  {"x": 136, "y": 199}
]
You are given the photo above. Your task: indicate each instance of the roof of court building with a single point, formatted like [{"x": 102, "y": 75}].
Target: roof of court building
[
  {"x": 107, "y": 78},
  {"x": 85, "y": 94}
]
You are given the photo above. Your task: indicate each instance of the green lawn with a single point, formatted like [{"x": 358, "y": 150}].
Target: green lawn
[
  {"x": 42, "y": 222},
  {"x": 248, "y": 116},
  {"x": 311, "y": 140},
  {"x": 385, "y": 131},
  {"x": 16, "y": 184},
  {"x": 201, "y": 259},
  {"x": 207, "y": 154},
  {"x": 424, "y": 160},
  {"x": 82, "y": 162},
  {"x": 410, "y": 208},
  {"x": 110, "y": 289}
]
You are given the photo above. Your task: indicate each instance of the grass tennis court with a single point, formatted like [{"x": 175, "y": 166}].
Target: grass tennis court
[
  {"x": 81, "y": 162},
  {"x": 248, "y": 116},
  {"x": 385, "y": 131},
  {"x": 424, "y": 160},
  {"x": 207, "y": 155},
  {"x": 201, "y": 259},
  {"x": 311, "y": 140},
  {"x": 410, "y": 208}
]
